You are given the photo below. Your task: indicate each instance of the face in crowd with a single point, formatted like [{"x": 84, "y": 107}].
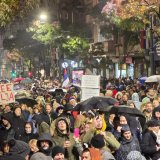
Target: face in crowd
[
  {"x": 48, "y": 108},
  {"x": 59, "y": 156},
  {"x": 127, "y": 135},
  {"x": 123, "y": 120},
  {"x": 62, "y": 125},
  {"x": 45, "y": 145},
  {"x": 86, "y": 155},
  {"x": 18, "y": 112},
  {"x": 28, "y": 128}
]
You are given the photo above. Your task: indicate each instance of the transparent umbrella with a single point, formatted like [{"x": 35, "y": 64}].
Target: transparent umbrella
[{"x": 154, "y": 78}]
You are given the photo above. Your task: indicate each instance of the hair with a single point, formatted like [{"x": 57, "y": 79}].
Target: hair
[
  {"x": 4, "y": 145},
  {"x": 33, "y": 142},
  {"x": 85, "y": 150}
]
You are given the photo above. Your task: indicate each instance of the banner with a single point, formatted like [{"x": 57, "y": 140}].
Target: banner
[
  {"x": 90, "y": 86},
  {"x": 7, "y": 93}
]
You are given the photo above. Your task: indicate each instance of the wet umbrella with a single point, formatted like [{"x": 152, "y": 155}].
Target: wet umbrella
[
  {"x": 75, "y": 88},
  {"x": 26, "y": 100},
  {"x": 57, "y": 92},
  {"x": 19, "y": 79},
  {"x": 99, "y": 103},
  {"x": 123, "y": 109},
  {"x": 4, "y": 81},
  {"x": 152, "y": 79},
  {"x": 26, "y": 81}
]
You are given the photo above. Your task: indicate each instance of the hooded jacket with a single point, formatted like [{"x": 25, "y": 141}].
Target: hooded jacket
[
  {"x": 60, "y": 138},
  {"x": 18, "y": 125},
  {"x": 26, "y": 137},
  {"x": 46, "y": 137},
  {"x": 6, "y": 133},
  {"x": 126, "y": 147},
  {"x": 12, "y": 157},
  {"x": 148, "y": 145},
  {"x": 19, "y": 147}
]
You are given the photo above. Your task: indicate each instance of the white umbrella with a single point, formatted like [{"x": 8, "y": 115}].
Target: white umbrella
[{"x": 154, "y": 78}]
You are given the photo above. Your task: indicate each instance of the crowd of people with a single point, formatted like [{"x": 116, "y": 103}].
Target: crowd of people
[{"x": 52, "y": 129}]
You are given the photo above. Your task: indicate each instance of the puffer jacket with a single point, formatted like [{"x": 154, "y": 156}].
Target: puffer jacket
[{"x": 126, "y": 147}]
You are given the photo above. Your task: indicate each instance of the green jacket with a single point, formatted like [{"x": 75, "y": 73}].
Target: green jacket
[
  {"x": 111, "y": 142},
  {"x": 60, "y": 138}
]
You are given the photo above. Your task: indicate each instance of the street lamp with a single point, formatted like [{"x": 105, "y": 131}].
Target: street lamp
[{"x": 43, "y": 17}]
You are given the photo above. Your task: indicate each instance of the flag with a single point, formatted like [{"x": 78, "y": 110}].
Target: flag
[{"x": 65, "y": 79}]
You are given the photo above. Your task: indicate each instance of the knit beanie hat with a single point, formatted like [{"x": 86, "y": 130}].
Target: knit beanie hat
[
  {"x": 125, "y": 128},
  {"x": 98, "y": 141},
  {"x": 56, "y": 150}
]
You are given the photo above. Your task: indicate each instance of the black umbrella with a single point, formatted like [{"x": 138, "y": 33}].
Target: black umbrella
[
  {"x": 57, "y": 92},
  {"x": 99, "y": 103},
  {"x": 26, "y": 100},
  {"x": 123, "y": 109}
]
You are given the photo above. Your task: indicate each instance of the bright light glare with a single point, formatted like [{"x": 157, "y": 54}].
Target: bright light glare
[{"x": 43, "y": 17}]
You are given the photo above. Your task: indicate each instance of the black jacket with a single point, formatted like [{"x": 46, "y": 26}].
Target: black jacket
[
  {"x": 45, "y": 117},
  {"x": 6, "y": 134},
  {"x": 10, "y": 156},
  {"x": 148, "y": 145},
  {"x": 26, "y": 137},
  {"x": 18, "y": 126}
]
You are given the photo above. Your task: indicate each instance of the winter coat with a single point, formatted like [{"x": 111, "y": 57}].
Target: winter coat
[
  {"x": 148, "y": 145},
  {"x": 18, "y": 126},
  {"x": 106, "y": 155},
  {"x": 19, "y": 147},
  {"x": 46, "y": 137},
  {"x": 48, "y": 118},
  {"x": 11, "y": 156},
  {"x": 6, "y": 134},
  {"x": 60, "y": 138},
  {"x": 26, "y": 137},
  {"x": 126, "y": 147},
  {"x": 135, "y": 126},
  {"x": 111, "y": 142}
]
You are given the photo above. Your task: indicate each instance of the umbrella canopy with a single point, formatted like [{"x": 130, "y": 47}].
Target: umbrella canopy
[
  {"x": 26, "y": 100},
  {"x": 18, "y": 87},
  {"x": 22, "y": 93},
  {"x": 19, "y": 79},
  {"x": 123, "y": 109},
  {"x": 57, "y": 92},
  {"x": 26, "y": 81},
  {"x": 99, "y": 103},
  {"x": 4, "y": 81},
  {"x": 154, "y": 78},
  {"x": 143, "y": 78}
]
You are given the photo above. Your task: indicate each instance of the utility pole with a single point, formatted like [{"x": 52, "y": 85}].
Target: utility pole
[{"x": 152, "y": 52}]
